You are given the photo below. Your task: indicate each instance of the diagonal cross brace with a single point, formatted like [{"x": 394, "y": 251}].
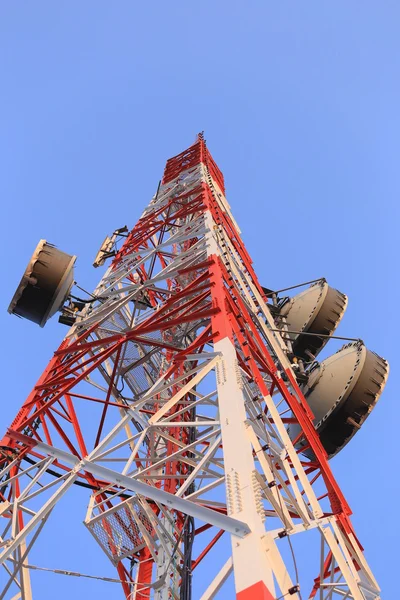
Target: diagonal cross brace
[{"x": 233, "y": 526}]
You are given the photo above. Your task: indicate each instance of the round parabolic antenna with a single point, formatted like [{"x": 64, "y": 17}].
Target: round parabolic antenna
[
  {"x": 45, "y": 284},
  {"x": 341, "y": 392},
  {"x": 316, "y": 311}
]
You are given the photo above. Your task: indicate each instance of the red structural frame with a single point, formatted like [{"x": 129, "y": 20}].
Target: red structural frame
[{"x": 210, "y": 295}]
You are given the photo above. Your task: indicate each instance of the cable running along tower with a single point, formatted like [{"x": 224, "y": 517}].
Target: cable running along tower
[{"x": 186, "y": 400}]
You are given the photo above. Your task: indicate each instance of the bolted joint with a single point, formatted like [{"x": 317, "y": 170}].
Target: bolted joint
[{"x": 294, "y": 590}]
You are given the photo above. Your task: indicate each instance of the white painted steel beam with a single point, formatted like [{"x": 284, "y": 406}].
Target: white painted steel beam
[{"x": 234, "y": 526}]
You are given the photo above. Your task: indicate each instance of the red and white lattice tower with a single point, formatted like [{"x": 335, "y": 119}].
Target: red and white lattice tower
[{"x": 170, "y": 399}]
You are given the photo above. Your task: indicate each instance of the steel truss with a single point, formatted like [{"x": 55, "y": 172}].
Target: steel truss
[{"x": 169, "y": 399}]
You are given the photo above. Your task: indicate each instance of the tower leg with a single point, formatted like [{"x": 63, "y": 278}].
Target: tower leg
[{"x": 253, "y": 573}]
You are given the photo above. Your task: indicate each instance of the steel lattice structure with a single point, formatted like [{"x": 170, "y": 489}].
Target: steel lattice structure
[{"x": 190, "y": 391}]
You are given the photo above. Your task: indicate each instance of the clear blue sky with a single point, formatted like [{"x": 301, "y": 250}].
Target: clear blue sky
[{"x": 300, "y": 105}]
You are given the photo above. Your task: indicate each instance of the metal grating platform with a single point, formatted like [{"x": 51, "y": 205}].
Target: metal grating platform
[{"x": 121, "y": 530}]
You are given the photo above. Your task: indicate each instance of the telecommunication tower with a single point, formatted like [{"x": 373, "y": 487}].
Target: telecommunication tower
[{"x": 188, "y": 402}]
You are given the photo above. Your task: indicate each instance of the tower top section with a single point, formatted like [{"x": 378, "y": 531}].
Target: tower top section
[{"x": 190, "y": 158}]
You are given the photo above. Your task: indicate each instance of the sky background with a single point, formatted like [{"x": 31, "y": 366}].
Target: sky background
[{"x": 299, "y": 102}]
